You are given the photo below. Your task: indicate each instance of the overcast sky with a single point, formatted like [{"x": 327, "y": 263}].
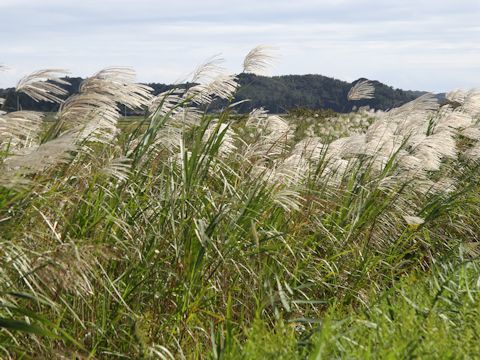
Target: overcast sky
[{"x": 431, "y": 45}]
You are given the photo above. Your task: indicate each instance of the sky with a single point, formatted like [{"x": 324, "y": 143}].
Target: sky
[{"x": 431, "y": 45}]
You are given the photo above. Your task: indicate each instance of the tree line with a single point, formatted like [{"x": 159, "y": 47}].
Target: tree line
[{"x": 278, "y": 94}]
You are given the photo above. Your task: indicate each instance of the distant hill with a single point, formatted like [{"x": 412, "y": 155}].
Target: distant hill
[
  {"x": 277, "y": 94},
  {"x": 282, "y": 93}
]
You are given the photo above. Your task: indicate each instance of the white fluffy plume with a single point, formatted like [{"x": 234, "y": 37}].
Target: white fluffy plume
[
  {"x": 19, "y": 127},
  {"x": 39, "y": 158},
  {"x": 2, "y": 100},
  {"x": 222, "y": 86},
  {"x": 118, "y": 168},
  {"x": 363, "y": 89},
  {"x": 258, "y": 60},
  {"x": 221, "y": 132},
  {"x": 95, "y": 109},
  {"x": 43, "y": 85},
  {"x": 208, "y": 70}
]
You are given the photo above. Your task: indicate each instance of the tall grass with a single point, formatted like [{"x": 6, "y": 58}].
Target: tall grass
[{"x": 192, "y": 235}]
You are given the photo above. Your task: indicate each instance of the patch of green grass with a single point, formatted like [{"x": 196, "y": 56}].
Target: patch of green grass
[{"x": 432, "y": 315}]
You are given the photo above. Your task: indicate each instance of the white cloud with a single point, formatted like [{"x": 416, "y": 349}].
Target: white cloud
[{"x": 418, "y": 44}]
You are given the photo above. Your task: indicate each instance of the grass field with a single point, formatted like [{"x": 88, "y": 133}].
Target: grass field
[{"x": 194, "y": 235}]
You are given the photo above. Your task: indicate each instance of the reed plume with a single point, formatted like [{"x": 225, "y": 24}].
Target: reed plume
[
  {"x": 362, "y": 90},
  {"x": 258, "y": 60},
  {"x": 44, "y": 85}
]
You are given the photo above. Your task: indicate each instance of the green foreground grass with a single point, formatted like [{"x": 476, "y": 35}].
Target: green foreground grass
[{"x": 431, "y": 315}]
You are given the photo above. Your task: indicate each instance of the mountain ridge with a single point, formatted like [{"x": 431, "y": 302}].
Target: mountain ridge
[{"x": 276, "y": 94}]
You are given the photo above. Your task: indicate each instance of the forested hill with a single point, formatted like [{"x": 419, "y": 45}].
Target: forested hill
[
  {"x": 277, "y": 94},
  {"x": 281, "y": 93}
]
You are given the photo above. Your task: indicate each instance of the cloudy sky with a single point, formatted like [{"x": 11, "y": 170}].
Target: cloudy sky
[{"x": 431, "y": 45}]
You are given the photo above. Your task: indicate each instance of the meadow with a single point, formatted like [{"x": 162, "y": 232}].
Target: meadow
[{"x": 191, "y": 235}]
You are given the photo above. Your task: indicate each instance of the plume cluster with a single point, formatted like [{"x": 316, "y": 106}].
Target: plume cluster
[{"x": 94, "y": 112}]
